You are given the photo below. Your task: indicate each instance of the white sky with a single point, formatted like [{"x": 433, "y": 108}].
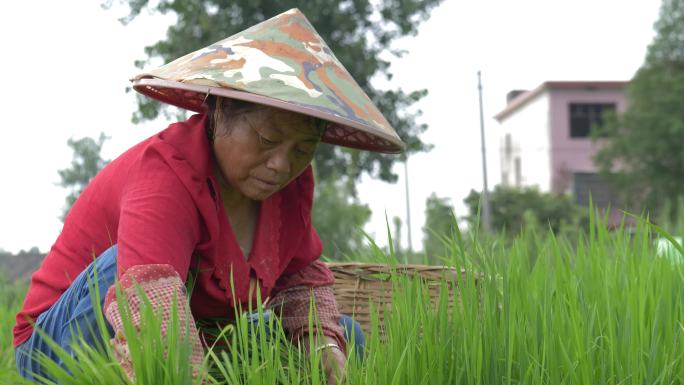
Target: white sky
[{"x": 65, "y": 66}]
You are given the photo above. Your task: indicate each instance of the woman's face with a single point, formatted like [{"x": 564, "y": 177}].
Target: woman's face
[{"x": 260, "y": 151}]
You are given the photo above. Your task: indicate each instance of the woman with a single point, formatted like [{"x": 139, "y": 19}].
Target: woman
[{"x": 224, "y": 197}]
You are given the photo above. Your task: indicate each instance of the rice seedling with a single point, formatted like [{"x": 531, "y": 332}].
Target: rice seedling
[
  {"x": 10, "y": 302},
  {"x": 600, "y": 308}
]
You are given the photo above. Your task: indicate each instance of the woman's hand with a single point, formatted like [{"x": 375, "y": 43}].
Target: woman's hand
[
  {"x": 332, "y": 357},
  {"x": 334, "y": 361}
]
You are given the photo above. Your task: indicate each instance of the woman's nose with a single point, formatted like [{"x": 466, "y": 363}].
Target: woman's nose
[{"x": 279, "y": 161}]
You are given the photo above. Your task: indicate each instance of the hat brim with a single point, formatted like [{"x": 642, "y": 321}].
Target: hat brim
[{"x": 340, "y": 131}]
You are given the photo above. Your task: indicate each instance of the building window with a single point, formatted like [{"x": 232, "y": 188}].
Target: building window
[
  {"x": 584, "y": 116},
  {"x": 518, "y": 172}
]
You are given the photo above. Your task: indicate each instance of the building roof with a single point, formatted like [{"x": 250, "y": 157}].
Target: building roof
[{"x": 525, "y": 97}]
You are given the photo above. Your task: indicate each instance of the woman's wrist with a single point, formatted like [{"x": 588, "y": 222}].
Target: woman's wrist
[
  {"x": 326, "y": 346},
  {"x": 320, "y": 344}
]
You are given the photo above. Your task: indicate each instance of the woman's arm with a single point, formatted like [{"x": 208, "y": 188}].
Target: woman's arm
[
  {"x": 293, "y": 299},
  {"x": 295, "y": 293},
  {"x": 162, "y": 287},
  {"x": 157, "y": 233}
]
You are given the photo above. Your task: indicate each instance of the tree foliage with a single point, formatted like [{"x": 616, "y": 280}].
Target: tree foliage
[
  {"x": 86, "y": 163},
  {"x": 511, "y": 208},
  {"x": 360, "y": 32},
  {"x": 440, "y": 222},
  {"x": 339, "y": 218},
  {"x": 644, "y": 155}
]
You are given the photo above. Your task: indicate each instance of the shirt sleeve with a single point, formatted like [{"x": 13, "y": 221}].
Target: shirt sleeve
[
  {"x": 295, "y": 303},
  {"x": 160, "y": 287},
  {"x": 305, "y": 280},
  {"x": 158, "y": 222},
  {"x": 157, "y": 233}
]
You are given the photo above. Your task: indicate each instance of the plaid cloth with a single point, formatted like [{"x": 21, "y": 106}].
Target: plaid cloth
[
  {"x": 160, "y": 284},
  {"x": 294, "y": 305}
]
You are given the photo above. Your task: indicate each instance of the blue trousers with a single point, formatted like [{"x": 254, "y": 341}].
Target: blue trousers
[{"x": 76, "y": 310}]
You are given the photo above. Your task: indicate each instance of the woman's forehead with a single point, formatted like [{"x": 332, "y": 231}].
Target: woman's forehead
[{"x": 288, "y": 122}]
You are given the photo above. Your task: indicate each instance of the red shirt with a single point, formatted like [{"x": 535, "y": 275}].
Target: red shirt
[{"x": 159, "y": 203}]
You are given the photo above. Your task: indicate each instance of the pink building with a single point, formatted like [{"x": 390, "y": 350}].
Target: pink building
[{"x": 545, "y": 137}]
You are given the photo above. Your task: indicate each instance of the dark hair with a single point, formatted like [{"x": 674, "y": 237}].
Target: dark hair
[{"x": 218, "y": 108}]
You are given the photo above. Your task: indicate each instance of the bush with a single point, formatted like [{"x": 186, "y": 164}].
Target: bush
[{"x": 511, "y": 208}]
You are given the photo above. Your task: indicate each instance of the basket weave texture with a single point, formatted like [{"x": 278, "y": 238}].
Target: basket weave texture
[{"x": 359, "y": 284}]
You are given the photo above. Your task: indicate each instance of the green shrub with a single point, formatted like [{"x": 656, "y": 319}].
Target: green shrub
[{"x": 514, "y": 208}]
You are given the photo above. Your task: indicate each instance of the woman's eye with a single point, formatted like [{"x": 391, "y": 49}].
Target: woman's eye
[
  {"x": 266, "y": 141},
  {"x": 304, "y": 151}
]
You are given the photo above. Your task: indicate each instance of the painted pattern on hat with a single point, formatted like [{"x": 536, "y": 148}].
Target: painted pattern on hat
[{"x": 283, "y": 58}]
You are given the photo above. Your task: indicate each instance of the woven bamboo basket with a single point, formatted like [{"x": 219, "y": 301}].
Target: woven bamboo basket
[{"x": 357, "y": 285}]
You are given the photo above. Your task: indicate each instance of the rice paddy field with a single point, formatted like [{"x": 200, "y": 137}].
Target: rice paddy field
[{"x": 594, "y": 308}]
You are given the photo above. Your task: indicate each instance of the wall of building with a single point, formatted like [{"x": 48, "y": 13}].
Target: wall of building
[
  {"x": 528, "y": 128},
  {"x": 572, "y": 155}
]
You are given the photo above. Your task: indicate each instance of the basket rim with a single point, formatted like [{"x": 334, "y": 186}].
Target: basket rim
[{"x": 426, "y": 271}]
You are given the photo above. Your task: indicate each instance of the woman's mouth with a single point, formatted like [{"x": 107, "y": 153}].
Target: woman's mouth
[{"x": 266, "y": 184}]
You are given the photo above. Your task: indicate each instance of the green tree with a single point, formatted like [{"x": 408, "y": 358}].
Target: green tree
[
  {"x": 360, "y": 32},
  {"x": 644, "y": 153},
  {"x": 85, "y": 164},
  {"x": 339, "y": 218},
  {"x": 511, "y": 208},
  {"x": 440, "y": 222}
]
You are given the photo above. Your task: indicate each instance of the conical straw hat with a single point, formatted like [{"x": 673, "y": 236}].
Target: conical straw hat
[{"x": 284, "y": 63}]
